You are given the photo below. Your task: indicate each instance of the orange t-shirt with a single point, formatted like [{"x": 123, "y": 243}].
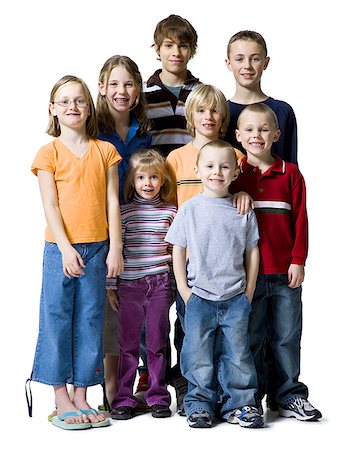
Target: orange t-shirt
[
  {"x": 81, "y": 185},
  {"x": 183, "y": 161}
]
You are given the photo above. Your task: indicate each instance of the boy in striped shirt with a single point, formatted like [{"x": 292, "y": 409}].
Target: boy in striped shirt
[
  {"x": 278, "y": 190},
  {"x": 175, "y": 42}
]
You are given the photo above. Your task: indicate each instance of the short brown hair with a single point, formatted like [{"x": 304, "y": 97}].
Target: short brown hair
[
  {"x": 54, "y": 128},
  {"x": 247, "y": 35},
  {"x": 152, "y": 160},
  {"x": 176, "y": 28}
]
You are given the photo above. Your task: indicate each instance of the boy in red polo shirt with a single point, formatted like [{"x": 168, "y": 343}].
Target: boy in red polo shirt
[{"x": 278, "y": 190}]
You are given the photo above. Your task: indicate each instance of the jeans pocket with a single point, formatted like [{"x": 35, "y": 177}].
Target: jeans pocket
[
  {"x": 249, "y": 302},
  {"x": 189, "y": 300}
]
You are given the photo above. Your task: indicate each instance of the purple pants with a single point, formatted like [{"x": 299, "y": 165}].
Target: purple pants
[{"x": 148, "y": 300}]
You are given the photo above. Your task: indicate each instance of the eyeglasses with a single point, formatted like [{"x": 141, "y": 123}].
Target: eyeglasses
[{"x": 79, "y": 102}]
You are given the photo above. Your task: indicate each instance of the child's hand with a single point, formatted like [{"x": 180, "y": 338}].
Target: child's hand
[
  {"x": 295, "y": 275},
  {"x": 115, "y": 263},
  {"x": 185, "y": 294},
  {"x": 243, "y": 202},
  {"x": 113, "y": 298},
  {"x": 73, "y": 263}
]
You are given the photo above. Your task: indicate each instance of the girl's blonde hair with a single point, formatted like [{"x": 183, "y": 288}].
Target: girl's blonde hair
[
  {"x": 54, "y": 128},
  {"x": 208, "y": 97},
  {"x": 106, "y": 122},
  {"x": 152, "y": 161}
]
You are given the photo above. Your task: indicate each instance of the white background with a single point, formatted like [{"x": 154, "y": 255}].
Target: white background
[{"x": 44, "y": 40}]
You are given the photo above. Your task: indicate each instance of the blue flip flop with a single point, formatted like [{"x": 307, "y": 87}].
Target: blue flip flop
[
  {"x": 59, "y": 421},
  {"x": 103, "y": 423}
]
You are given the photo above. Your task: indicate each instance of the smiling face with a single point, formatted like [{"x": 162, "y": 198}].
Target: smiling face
[
  {"x": 174, "y": 56},
  {"x": 207, "y": 122},
  {"x": 72, "y": 115},
  {"x": 147, "y": 182},
  {"x": 257, "y": 132},
  {"x": 121, "y": 92},
  {"x": 217, "y": 168},
  {"x": 247, "y": 61}
]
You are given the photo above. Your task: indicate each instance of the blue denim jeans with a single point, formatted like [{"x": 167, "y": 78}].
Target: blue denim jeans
[
  {"x": 277, "y": 312},
  {"x": 216, "y": 358},
  {"x": 70, "y": 342},
  {"x": 145, "y": 300}
]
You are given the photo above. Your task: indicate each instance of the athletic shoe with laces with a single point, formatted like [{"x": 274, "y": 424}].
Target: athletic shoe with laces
[
  {"x": 300, "y": 408},
  {"x": 200, "y": 419},
  {"x": 247, "y": 417}
]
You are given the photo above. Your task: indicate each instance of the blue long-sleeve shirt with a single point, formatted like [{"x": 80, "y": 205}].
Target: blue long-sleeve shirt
[{"x": 133, "y": 143}]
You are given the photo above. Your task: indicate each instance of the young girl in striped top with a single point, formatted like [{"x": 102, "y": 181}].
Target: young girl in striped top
[{"x": 144, "y": 286}]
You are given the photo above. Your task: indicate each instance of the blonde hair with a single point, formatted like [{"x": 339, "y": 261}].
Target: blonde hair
[
  {"x": 218, "y": 144},
  {"x": 152, "y": 160},
  {"x": 106, "y": 122},
  {"x": 208, "y": 97},
  {"x": 54, "y": 128},
  {"x": 260, "y": 108},
  {"x": 177, "y": 29}
]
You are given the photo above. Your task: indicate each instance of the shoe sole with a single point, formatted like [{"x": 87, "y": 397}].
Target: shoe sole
[
  {"x": 293, "y": 414},
  {"x": 200, "y": 423},
  {"x": 161, "y": 415},
  {"x": 257, "y": 423}
]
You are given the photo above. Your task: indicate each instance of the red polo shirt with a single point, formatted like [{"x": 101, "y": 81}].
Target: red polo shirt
[{"x": 280, "y": 205}]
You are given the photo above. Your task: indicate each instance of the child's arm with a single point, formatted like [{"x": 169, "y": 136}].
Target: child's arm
[
  {"x": 179, "y": 270},
  {"x": 72, "y": 262},
  {"x": 252, "y": 257},
  {"x": 114, "y": 259}
]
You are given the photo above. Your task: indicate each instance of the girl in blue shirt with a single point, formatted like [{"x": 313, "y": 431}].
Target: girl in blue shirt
[{"x": 122, "y": 120}]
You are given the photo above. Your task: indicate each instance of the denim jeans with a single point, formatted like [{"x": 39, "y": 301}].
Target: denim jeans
[
  {"x": 277, "y": 312},
  {"x": 146, "y": 300},
  {"x": 70, "y": 342},
  {"x": 216, "y": 358}
]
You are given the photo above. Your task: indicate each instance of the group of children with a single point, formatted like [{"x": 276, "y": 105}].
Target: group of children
[{"x": 167, "y": 192}]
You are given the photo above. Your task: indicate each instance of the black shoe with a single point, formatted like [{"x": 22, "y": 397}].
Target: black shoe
[
  {"x": 181, "y": 387},
  {"x": 160, "y": 411},
  {"x": 123, "y": 412}
]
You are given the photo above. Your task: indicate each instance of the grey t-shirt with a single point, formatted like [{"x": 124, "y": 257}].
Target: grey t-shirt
[{"x": 216, "y": 237}]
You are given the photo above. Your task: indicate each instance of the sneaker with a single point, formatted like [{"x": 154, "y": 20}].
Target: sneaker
[
  {"x": 141, "y": 391},
  {"x": 122, "y": 412},
  {"x": 247, "y": 417},
  {"x": 181, "y": 387},
  {"x": 160, "y": 411},
  {"x": 200, "y": 419},
  {"x": 300, "y": 408}
]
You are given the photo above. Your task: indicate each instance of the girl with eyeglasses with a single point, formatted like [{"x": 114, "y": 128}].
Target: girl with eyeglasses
[{"x": 78, "y": 180}]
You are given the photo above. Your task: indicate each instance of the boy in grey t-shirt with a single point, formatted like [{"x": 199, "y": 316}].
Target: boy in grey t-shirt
[{"x": 217, "y": 286}]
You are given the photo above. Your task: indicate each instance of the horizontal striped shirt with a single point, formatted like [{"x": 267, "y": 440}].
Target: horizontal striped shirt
[
  {"x": 144, "y": 227},
  {"x": 166, "y": 112},
  {"x": 279, "y": 196}
]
